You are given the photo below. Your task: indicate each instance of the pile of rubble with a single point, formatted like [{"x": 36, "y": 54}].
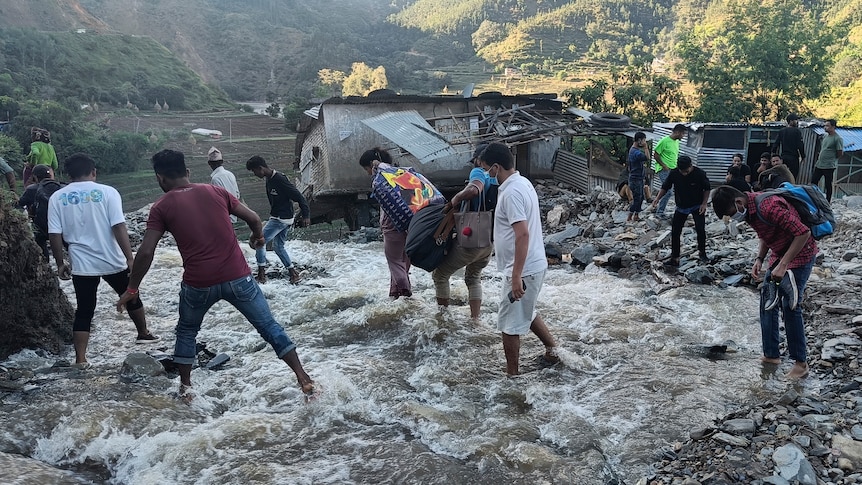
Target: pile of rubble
[{"x": 805, "y": 435}]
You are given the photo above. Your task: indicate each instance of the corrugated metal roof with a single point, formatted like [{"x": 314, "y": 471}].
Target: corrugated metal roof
[
  {"x": 410, "y": 131},
  {"x": 852, "y": 137},
  {"x": 312, "y": 112}
]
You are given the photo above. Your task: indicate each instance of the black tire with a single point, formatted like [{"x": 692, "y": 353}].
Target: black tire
[{"x": 610, "y": 120}]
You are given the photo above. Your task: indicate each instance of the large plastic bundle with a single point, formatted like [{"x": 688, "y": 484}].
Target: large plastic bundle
[{"x": 401, "y": 192}]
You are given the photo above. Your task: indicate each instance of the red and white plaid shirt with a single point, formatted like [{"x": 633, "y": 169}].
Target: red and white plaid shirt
[{"x": 781, "y": 226}]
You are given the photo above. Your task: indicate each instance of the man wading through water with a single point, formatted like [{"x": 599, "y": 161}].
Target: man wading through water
[{"x": 198, "y": 215}]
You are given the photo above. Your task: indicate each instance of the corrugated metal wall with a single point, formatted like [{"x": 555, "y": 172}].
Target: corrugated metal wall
[{"x": 572, "y": 169}]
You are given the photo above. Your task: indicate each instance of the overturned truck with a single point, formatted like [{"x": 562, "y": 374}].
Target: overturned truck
[{"x": 434, "y": 134}]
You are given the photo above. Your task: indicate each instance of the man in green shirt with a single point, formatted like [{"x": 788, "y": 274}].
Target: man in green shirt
[
  {"x": 666, "y": 153},
  {"x": 831, "y": 149}
]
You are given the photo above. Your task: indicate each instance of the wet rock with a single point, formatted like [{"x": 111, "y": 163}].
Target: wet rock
[
  {"x": 733, "y": 280},
  {"x": 856, "y": 432},
  {"x": 699, "y": 275},
  {"x": 731, "y": 440},
  {"x": 850, "y": 255},
  {"x": 775, "y": 480},
  {"x": 789, "y": 397},
  {"x": 568, "y": 233},
  {"x": 584, "y": 255},
  {"x": 839, "y": 309},
  {"x": 739, "y": 426},
  {"x": 139, "y": 365},
  {"x": 791, "y": 464},
  {"x": 701, "y": 433}
]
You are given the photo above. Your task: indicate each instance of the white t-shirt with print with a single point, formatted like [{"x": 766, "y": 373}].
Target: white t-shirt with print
[
  {"x": 85, "y": 213},
  {"x": 517, "y": 201}
]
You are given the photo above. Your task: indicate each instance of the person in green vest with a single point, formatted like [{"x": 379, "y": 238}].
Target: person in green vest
[
  {"x": 665, "y": 154},
  {"x": 41, "y": 153}
]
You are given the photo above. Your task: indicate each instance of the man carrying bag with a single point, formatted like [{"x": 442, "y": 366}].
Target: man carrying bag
[{"x": 474, "y": 228}]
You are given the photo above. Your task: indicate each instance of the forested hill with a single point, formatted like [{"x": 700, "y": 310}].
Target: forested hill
[{"x": 258, "y": 49}]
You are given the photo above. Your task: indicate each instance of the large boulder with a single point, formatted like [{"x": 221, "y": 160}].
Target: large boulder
[{"x": 36, "y": 312}]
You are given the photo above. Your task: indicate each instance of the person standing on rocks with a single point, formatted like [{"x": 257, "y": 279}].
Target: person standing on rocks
[
  {"x": 214, "y": 266},
  {"x": 89, "y": 217},
  {"x": 691, "y": 188},
  {"x": 480, "y": 188},
  {"x": 831, "y": 149},
  {"x": 222, "y": 177},
  {"x": 520, "y": 257},
  {"x": 789, "y": 145},
  {"x": 666, "y": 153},
  {"x": 281, "y": 194},
  {"x": 41, "y": 153},
  {"x": 636, "y": 160},
  {"x": 36, "y": 199},
  {"x": 792, "y": 251}
]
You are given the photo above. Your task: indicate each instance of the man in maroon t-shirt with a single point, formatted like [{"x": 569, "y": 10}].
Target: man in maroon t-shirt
[
  {"x": 792, "y": 252},
  {"x": 198, "y": 216}
]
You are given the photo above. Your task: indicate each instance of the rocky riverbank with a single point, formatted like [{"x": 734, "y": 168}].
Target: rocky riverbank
[{"x": 806, "y": 432}]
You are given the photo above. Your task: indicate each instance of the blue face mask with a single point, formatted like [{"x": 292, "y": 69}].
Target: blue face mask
[{"x": 739, "y": 216}]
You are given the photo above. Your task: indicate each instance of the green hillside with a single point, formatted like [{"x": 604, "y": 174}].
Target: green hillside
[{"x": 105, "y": 68}]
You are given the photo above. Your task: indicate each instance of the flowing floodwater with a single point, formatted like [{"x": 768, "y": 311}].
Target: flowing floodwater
[{"x": 411, "y": 395}]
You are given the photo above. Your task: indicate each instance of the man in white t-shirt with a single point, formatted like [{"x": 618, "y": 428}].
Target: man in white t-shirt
[
  {"x": 520, "y": 256},
  {"x": 89, "y": 218},
  {"x": 222, "y": 177}
]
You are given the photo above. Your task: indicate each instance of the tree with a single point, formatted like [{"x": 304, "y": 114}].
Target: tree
[
  {"x": 637, "y": 92},
  {"x": 755, "y": 59},
  {"x": 273, "y": 110},
  {"x": 331, "y": 79},
  {"x": 362, "y": 80}
]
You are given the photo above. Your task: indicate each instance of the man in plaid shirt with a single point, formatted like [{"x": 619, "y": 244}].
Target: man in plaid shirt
[{"x": 792, "y": 251}]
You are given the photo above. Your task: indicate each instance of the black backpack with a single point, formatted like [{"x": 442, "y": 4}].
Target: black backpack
[
  {"x": 429, "y": 237},
  {"x": 44, "y": 190}
]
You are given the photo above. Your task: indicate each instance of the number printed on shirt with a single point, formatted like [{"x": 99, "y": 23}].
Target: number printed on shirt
[{"x": 76, "y": 197}]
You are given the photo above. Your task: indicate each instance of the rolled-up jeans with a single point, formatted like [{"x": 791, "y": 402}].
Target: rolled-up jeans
[
  {"x": 473, "y": 260},
  {"x": 275, "y": 230},
  {"x": 662, "y": 203},
  {"x": 636, "y": 185},
  {"x": 794, "y": 327},
  {"x": 244, "y": 294}
]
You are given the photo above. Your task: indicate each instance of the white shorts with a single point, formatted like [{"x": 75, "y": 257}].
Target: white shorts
[{"x": 515, "y": 318}]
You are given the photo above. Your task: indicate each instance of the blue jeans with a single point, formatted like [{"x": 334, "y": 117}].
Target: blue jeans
[
  {"x": 275, "y": 230},
  {"x": 636, "y": 185},
  {"x": 662, "y": 204},
  {"x": 793, "y": 325},
  {"x": 244, "y": 294}
]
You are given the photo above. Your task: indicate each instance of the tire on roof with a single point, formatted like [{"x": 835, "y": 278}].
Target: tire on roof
[{"x": 610, "y": 120}]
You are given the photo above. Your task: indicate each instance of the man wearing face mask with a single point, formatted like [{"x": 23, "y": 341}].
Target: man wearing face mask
[
  {"x": 480, "y": 194},
  {"x": 792, "y": 251}
]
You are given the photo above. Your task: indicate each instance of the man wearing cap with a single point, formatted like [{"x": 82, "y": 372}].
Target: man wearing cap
[
  {"x": 35, "y": 200},
  {"x": 222, "y": 177},
  {"x": 789, "y": 145}
]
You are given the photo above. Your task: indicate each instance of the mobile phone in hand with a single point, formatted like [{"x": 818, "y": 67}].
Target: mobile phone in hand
[{"x": 512, "y": 297}]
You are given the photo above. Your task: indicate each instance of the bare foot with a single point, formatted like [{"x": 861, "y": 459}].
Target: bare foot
[
  {"x": 261, "y": 275},
  {"x": 311, "y": 391},
  {"x": 769, "y": 360},
  {"x": 186, "y": 394},
  {"x": 799, "y": 371}
]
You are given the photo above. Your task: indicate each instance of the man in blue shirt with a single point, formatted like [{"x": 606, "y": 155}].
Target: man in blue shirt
[{"x": 636, "y": 160}]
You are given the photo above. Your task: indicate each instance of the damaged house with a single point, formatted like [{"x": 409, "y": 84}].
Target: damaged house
[{"x": 434, "y": 134}]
